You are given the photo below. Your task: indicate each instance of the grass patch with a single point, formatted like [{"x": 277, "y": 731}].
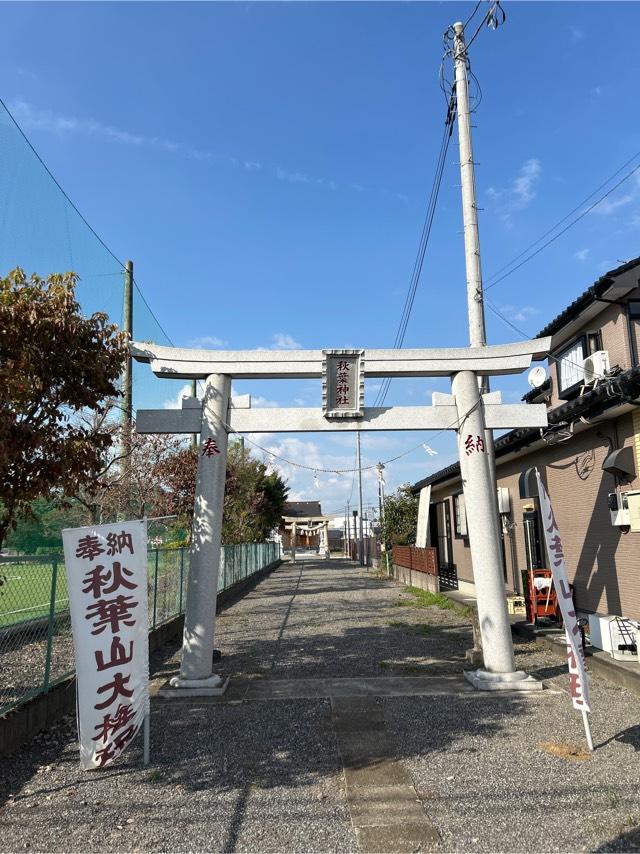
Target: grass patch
[
  {"x": 154, "y": 776},
  {"x": 425, "y": 599},
  {"x": 419, "y": 629}
]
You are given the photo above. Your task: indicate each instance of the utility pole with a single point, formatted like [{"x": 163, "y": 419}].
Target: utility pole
[
  {"x": 194, "y": 393},
  {"x": 360, "y": 534},
  {"x": 127, "y": 325},
  {"x": 349, "y": 530},
  {"x": 477, "y": 462}
]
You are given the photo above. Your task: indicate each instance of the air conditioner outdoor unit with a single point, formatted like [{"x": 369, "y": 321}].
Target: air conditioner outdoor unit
[{"x": 595, "y": 367}]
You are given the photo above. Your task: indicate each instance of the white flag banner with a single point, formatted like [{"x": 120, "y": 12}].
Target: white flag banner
[
  {"x": 107, "y": 582},
  {"x": 579, "y": 687}
]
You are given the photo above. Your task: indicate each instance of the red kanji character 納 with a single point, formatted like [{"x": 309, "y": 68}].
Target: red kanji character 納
[
  {"x": 89, "y": 547},
  {"x": 469, "y": 444},
  {"x": 117, "y": 687},
  {"x": 480, "y": 444},
  {"x": 111, "y": 612},
  {"x": 118, "y": 542},
  {"x": 118, "y": 655}
]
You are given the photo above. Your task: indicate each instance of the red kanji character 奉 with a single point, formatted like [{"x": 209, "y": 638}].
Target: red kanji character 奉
[
  {"x": 210, "y": 447},
  {"x": 89, "y": 547},
  {"x": 121, "y": 717},
  {"x": 118, "y": 542},
  {"x": 118, "y": 655},
  {"x": 117, "y": 687},
  {"x": 469, "y": 445},
  {"x": 480, "y": 444},
  {"x": 105, "y": 755},
  {"x": 111, "y": 612}
]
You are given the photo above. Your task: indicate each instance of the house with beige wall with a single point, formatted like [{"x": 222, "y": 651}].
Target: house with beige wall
[{"x": 588, "y": 457}]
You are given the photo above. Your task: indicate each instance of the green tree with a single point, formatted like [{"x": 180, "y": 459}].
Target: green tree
[
  {"x": 54, "y": 364},
  {"x": 400, "y": 518}
]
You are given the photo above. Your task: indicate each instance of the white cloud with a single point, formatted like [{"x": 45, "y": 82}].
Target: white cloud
[
  {"x": 521, "y": 191},
  {"x": 176, "y": 402},
  {"x": 597, "y": 91},
  {"x": 577, "y": 33},
  {"x": 609, "y": 206},
  {"x": 258, "y": 402},
  {"x": 207, "y": 341},
  {"x": 519, "y": 314},
  {"x": 581, "y": 254},
  {"x": 282, "y": 341}
]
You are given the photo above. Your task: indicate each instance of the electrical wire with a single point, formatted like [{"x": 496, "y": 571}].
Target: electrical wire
[
  {"x": 424, "y": 240},
  {"x": 492, "y": 281}
]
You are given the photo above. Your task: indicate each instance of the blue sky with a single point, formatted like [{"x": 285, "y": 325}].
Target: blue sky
[{"x": 267, "y": 167}]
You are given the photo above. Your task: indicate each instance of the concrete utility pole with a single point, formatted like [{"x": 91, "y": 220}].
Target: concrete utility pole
[
  {"x": 348, "y": 552},
  {"x": 127, "y": 325},
  {"x": 477, "y": 462},
  {"x": 360, "y": 532}
]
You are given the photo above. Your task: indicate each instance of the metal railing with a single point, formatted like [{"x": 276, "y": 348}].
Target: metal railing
[{"x": 36, "y": 645}]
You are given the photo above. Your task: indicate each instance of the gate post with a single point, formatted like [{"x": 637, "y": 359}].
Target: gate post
[
  {"x": 202, "y": 584},
  {"x": 499, "y": 671}
]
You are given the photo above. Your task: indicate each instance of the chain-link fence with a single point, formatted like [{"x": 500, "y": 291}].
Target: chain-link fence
[{"x": 36, "y": 645}]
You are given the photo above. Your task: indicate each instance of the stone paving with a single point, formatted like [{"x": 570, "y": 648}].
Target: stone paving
[{"x": 346, "y": 727}]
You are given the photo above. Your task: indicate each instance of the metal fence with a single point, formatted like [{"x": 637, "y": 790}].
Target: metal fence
[{"x": 36, "y": 646}]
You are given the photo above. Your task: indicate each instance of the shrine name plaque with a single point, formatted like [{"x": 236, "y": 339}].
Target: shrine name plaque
[{"x": 343, "y": 383}]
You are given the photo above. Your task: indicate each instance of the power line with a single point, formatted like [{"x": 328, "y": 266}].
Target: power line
[
  {"x": 424, "y": 240},
  {"x": 494, "y": 281}
]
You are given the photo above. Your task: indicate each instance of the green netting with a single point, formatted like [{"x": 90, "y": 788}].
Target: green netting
[{"x": 42, "y": 232}]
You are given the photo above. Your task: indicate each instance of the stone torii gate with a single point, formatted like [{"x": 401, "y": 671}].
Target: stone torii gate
[
  {"x": 343, "y": 374},
  {"x": 308, "y": 524}
]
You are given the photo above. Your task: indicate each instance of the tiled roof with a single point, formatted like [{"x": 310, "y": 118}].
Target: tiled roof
[
  {"x": 597, "y": 289},
  {"x": 302, "y": 508}
]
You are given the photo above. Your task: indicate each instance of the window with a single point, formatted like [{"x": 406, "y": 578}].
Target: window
[
  {"x": 570, "y": 370},
  {"x": 634, "y": 309},
  {"x": 459, "y": 516}
]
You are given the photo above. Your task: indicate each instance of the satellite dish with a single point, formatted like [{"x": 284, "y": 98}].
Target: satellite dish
[{"x": 537, "y": 376}]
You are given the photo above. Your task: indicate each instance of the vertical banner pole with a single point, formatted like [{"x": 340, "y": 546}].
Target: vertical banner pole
[
  {"x": 147, "y": 738},
  {"x": 587, "y": 729}
]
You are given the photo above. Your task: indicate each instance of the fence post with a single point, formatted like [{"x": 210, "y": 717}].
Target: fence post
[
  {"x": 155, "y": 591},
  {"x": 181, "y": 579},
  {"x": 52, "y": 617}
]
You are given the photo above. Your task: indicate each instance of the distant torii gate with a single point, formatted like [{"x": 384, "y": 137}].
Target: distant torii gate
[
  {"x": 343, "y": 374},
  {"x": 304, "y": 524}
]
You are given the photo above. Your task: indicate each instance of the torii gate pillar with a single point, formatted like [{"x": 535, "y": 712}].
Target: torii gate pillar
[
  {"x": 499, "y": 672},
  {"x": 202, "y": 585}
]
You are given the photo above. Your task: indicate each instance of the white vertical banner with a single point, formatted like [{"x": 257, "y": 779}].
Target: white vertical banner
[
  {"x": 579, "y": 687},
  {"x": 107, "y": 582},
  {"x": 422, "y": 533}
]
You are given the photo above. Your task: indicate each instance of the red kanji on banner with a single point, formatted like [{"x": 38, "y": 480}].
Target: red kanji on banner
[
  {"x": 98, "y": 582},
  {"x": 118, "y": 542},
  {"x": 118, "y": 655},
  {"x": 117, "y": 687},
  {"x": 89, "y": 547},
  {"x": 109, "y": 725},
  {"x": 210, "y": 447},
  {"x": 111, "y": 612}
]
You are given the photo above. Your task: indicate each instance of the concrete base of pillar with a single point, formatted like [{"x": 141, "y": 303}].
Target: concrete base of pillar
[
  {"x": 212, "y": 686},
  {"x": 482, "y": 680}
]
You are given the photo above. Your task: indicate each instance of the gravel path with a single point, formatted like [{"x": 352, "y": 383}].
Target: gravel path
[{"x": 267, "y": 775}]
